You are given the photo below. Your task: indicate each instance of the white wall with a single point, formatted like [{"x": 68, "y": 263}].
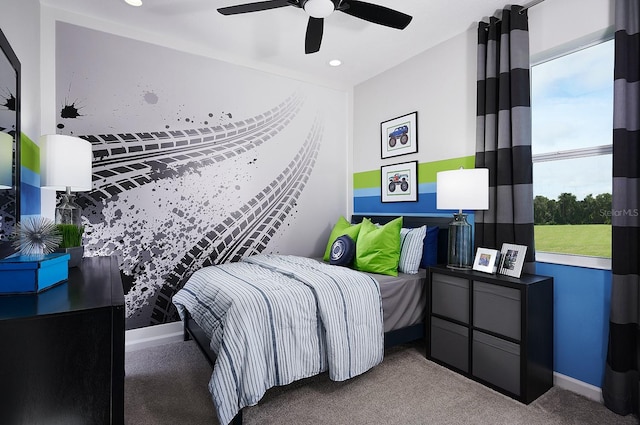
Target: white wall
[
  {"x": 559, "y": 26},
  {"x": 440, "y": 82},
  {"x": 440, "y": 85}
]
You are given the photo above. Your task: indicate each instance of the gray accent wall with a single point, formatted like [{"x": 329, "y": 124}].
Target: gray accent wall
[{"x": 196, "y": 161}]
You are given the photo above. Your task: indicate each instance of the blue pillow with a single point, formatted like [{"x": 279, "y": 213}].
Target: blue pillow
[
  {"x": 342, "y": 252},
  {"x": 430, "y": 248}
]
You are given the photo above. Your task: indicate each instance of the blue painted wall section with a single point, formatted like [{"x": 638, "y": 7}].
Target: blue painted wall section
[{"x": 581, "y": 320}]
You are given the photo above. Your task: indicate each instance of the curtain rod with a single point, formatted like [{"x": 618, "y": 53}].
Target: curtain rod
[
  {"x": 525, "y": 7},
  {"x": 530, "y": 4}
]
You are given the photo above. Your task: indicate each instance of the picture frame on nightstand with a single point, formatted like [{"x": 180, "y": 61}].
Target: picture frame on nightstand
[
  {"x": 486, "y": 260},
  {"x": 512, "y": 259}
]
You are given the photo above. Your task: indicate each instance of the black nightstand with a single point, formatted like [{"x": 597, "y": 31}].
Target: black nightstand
[
  {"x": 62, "y": 355},
  {"x": 494, "y": 329}
]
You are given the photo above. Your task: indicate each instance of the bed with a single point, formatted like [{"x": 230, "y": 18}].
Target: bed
[{"x": 279, "y": 347}]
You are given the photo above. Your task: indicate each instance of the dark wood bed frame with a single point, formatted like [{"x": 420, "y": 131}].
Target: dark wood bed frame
[{"x": 396, "y": 337}]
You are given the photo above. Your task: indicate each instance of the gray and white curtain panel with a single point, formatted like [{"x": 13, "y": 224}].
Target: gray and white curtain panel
[
  {"x": 503, "y": 132},
  {"x": 621, "y": 383}
]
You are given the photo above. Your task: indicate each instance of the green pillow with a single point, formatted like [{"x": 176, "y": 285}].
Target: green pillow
[
  {"x": 378, "y": 248},
  {"x": 342, "y": 227}
]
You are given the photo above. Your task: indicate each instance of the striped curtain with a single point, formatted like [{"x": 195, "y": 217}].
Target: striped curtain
[
  {"x": 503, "y": 133},
  {"x": 621, "y": 383}
]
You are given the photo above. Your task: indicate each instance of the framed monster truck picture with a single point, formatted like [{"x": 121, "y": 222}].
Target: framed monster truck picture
[
  {"x": 399, "y": 182},
  {"x": 399, "y": 136}
]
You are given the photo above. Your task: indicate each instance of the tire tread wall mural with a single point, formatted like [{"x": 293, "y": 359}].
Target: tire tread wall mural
[{"x": 192, "y": 193}]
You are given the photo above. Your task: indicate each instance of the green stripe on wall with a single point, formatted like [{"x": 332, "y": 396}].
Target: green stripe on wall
[
  {"x": 426, "y": 171},
  {"x": 366, "y": 179},
  {"x": 29, "y": 154}
]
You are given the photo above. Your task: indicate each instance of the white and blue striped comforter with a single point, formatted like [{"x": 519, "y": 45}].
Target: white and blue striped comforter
[{"x": 274, "y": 319}]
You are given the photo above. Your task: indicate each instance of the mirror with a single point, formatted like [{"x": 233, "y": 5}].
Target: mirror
[{"x": 9, "y": 149}]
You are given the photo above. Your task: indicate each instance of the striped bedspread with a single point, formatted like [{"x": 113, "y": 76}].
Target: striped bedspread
[{"x": 274, "y": 319}]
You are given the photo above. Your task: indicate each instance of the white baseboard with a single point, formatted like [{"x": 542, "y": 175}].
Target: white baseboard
[
  {"x": 571, "y": 384},
  {"x": 150, "y": 336}
]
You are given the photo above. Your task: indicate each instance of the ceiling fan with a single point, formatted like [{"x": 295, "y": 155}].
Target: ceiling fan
[{"x": 320, "y": 9}]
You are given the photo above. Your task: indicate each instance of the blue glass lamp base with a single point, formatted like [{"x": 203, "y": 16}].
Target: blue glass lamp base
[{"x": 460, "y": 251}]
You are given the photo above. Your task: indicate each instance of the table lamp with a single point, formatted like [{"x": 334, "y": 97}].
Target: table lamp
[
  {"x": 462, "y": 190},
  {"x": 65, "y": 165}
]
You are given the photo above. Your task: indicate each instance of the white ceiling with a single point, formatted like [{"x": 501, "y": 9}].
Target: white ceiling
[{"x": 274, "y": 39}]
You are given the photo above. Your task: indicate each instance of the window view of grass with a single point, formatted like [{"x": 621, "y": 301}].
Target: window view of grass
[
  {"x": 570, "y": 226},
  {"x": 576, "y": 239}
]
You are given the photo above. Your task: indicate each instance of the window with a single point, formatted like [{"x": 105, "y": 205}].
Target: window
[{"x": 572, "y": 122}]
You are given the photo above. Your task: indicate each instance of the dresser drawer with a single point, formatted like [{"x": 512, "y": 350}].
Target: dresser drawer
[
  {"x": 496, "y": 309},
  {"x": 496, "y": 361},
  {"x": 450, "y": 343},
  {"x": 450, "y": 297}
]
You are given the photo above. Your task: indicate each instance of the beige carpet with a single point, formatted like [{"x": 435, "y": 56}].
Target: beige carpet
[{"x": 168, "y": 385}]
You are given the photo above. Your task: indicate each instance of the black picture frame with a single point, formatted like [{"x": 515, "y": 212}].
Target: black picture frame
[{"x": 399, "y": 136}]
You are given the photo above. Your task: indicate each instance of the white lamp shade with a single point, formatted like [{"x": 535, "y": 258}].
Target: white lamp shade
[
  {"x": 6, "y": 160},
  {"x": 65, "y": 161},
  {"x": 463, "y": 189}
]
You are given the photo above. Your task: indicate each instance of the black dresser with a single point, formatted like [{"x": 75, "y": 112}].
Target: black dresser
[
  {"x": 495, "y": 329},
  {"x": 62, "y": 351}
]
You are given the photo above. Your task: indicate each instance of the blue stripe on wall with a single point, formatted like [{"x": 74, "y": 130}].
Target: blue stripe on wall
[
  {"x": 29, "y": 177},
  {"x": 372, "y": 204},
  {"x": 423, "y": 188},
  {"x": 368, "y": 202},
  {"x": 29, "y": 193}
]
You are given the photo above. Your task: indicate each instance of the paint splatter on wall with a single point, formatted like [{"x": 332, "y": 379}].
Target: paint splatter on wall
[{"x": 197, "y": 162}]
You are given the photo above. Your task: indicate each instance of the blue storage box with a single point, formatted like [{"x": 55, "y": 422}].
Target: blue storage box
[{"x": 23, "y": 275}]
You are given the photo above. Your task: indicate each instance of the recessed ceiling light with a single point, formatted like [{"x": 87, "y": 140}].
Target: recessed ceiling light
[
  {"x": 134, "y": 2},
  {"x": 335, "y": 62}
]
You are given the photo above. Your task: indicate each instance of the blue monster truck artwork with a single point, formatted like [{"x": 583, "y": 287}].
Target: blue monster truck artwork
[
  {"x": 401, "y": 133},
  {"x": 399, "y": 179}
]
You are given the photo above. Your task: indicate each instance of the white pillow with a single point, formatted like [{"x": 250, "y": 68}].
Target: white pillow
[{"x": 411, "y": 244}]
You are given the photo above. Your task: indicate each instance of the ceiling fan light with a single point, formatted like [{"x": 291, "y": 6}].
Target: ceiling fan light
[{"x": 319, "y": 8}]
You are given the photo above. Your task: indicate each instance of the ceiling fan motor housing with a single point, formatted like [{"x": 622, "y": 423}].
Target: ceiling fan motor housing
[{"x": 318, "y": 8}]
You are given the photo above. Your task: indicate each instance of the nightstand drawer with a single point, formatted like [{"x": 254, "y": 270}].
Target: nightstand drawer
[
  {"x": 492, "y": 304},
  {"x": 450, "y": 343},
  {"x": 450, "y": 297},
  {"x": 496, "y": 361}
]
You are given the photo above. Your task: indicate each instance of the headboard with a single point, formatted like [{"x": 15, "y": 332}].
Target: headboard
[{"x": 414, "y": 221}]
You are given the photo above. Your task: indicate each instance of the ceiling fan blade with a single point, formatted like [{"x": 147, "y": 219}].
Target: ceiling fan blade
[
  {"x": 315, "y": 28},
  {"x": 376, "y": 14},
  {"x": 255, "y": 7}
]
